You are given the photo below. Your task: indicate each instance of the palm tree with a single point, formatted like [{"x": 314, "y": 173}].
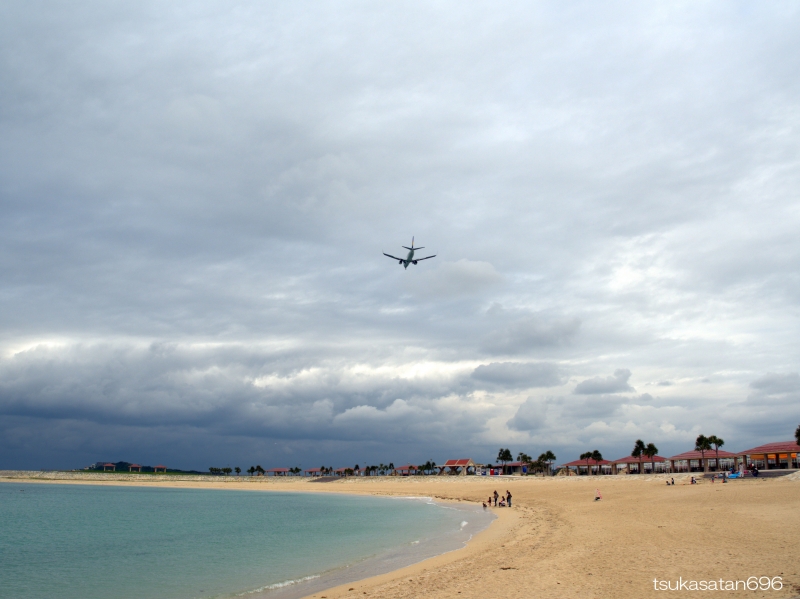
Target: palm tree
[
  {"x": 797, "y": 434},
  {"x": 587, "y": 455},
  {"x": 650, "y": 451},
  {"x": 238, "y": 470},
  {"x": 251, "y": 470},
  {"x": 702, "y": 444},
  {"x": 549, "y": 457},
  {"x": 524, "y": 458},
  {"x": 504, "y": 455},
  {"x": 598, "y": 457},
  {"x": 638, "y": 452},
  {"x": 260, "y": 470},
  {"x": 717, "y": 443}
]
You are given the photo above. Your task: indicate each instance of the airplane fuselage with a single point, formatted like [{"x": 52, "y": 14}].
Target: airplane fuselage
[{"x": 409, "y": 259}]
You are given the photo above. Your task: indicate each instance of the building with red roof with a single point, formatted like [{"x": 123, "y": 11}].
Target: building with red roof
[
  {"x": 695, "y": 461},
  {"x": 133, "y": 467},
  {"x": 109, "y": 466},
  {"x": 772, "y": 456},
  {"x": 160, "y": 468},
  {"x": 461, "y": 466},
  {"x": 657, "y": 464},
  {"x": 406, "y": 470},
  {"x": 277, "y": 471},
  {"x": 590, "y": 466}
]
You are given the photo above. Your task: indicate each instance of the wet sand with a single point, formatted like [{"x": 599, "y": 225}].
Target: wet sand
[{"x": 557, "y": 542}]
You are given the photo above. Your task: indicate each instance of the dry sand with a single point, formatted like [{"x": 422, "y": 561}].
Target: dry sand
[{"x": 557, "y": 542}]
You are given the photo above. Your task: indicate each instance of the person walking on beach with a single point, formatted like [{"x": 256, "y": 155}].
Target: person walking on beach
[
  {"x": 496, "y": 495},
  {"x": 508, "y": 497}
]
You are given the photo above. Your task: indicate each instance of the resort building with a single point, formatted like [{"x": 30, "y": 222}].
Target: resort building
[
  {"x": 457, "y": 467},
  {"x": 695, "y": 461},
  {"x": 772, "y": 456},
  {"x": 631, "y": 465},
  {"x": 406, "y": 470},
  {"x": 277, "y": 471},
  {"x": 589, "y": 466}
]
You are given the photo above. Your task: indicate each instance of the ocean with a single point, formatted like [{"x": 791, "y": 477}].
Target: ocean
[{"x": 101, "y": 542}]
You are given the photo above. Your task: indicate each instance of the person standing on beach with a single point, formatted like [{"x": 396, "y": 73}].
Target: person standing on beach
[
  {"x": 508, "y": 497},
  {"x": 496, "y": 495}
]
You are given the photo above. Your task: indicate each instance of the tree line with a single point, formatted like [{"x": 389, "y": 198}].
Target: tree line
[{"x": 543, "y": 464}]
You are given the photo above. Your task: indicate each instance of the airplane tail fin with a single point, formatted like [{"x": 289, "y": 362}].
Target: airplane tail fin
[{"x": 412, "y": 246}]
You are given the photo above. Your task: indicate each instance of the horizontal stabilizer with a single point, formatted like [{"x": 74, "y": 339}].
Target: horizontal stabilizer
[{"x": 415, "y": 249}]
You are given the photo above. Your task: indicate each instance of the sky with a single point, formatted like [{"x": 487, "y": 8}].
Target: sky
[{"x": 195, "y": 198}]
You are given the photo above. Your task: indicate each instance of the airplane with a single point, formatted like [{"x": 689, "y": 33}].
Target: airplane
[{"x": 410, "y": 258}]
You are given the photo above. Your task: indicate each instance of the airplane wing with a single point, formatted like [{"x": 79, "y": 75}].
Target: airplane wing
[
  {"x": 425, "y": 258},
  {"x": 395, "y": 257}
]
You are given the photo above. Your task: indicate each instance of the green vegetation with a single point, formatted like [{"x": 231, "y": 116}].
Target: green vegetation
[
  {"x": 504, "y": 456},
  {"x": 703, "y": 444}
]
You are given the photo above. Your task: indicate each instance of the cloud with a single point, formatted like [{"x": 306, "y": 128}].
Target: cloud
[
  {"x": 530, "y": 333},
  {"x": 531, "y": 416},
  {"x": 450, "y": 279},
  {"x": 520, "y": 375},
  {"x": 610, "y": 384},
  {"x": 774, "y": 384}
]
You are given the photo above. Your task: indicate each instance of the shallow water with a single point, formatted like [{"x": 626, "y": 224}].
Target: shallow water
[{"x": 90, "y": 542}]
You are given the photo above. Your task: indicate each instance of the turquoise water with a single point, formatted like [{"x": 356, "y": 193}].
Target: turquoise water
[{"x": 91, "y": 542}]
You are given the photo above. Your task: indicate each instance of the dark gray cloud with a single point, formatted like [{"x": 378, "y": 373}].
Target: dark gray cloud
[
  {"x": 531, "y": 416},
  {"x": 194, "y": 202},
  {"x": 519, "y": 375},
  {"x": 608, "y": 384},
  {"x": 531, "y": 333},
  {"x": 774, "y": 384}
]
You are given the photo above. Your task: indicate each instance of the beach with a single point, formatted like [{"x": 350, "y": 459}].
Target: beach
[{"x": 557, "y": 541}]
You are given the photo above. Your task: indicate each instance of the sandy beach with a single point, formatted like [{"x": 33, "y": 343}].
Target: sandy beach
[{"x": 557, "y": 541}]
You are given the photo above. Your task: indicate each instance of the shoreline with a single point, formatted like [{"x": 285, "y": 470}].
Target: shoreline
[{"x": 557, "y": 542}]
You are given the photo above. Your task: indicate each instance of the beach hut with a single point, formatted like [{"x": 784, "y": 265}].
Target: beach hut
[
  {"x": 694, "y": 461},
  {"x": 457, "y": 467},
  {"x": 657, "y": 464},
  {"x": 406, "y": 470},
  {"x": 160, "y": 468},
  {"x": 133, "y": 467},
  {"x": 782, "y": 455},
  {"x": 277, "y": 471},
  {"x": 313, "y": 472},
  {"x": 589, "y": 466},
  {"x": 517, "y": 468},
  {"x": 107, "y": 467}
]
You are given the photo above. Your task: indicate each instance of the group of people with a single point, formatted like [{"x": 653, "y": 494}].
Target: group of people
[{"x": 505, "y": 501}]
